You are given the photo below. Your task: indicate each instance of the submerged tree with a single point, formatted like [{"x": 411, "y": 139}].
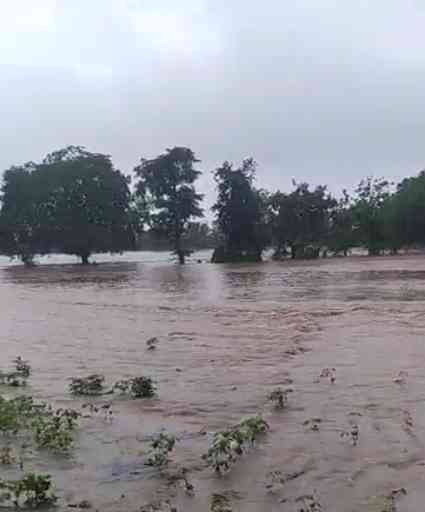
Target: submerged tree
[
  {"x": 300, "y": 220},
  {"x": 20, "y": 221},
  {"x": 371, "y": 196},
  {"x": 166, "y": 183},
  {"x": 240, "y": 210},
  {"x": 88, "y": 203},
  {"x": 74, "y": 202},
  {"x": 341, "y": 230}
]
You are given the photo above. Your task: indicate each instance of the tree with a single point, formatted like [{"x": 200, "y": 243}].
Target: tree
[
  {"x": 341, "y": 234},
  {"x": 167, "y": 184},
  {"x": 20, "y": 215},
  {"x": 405, "y": 213},
  {"x": 300, "y": 220},
  {"x": 88, "y": 203},
  {"x": 240, "y": 210},
  {"x": 371, "y": 196}
]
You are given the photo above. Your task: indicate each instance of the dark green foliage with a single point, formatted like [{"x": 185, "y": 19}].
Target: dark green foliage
[
  {"x": 228, "y": 445},
  {"x": 31, "y": 491},
  {"x": 74, "y": 202},
  {"x": 166, "y": 184},
  {"x": 240, "y": 214},
  {"x": 161, "y": 446},
  {"x": 21, "y": 222},
  {"x": 371, "y": 196},
  {"x": 341, "y": 237},
  {"x": 300, "y": 221},
  {"x": 137, "y": 387}
]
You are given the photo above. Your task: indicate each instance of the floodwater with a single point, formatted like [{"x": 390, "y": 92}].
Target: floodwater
[{"x": 228, "y": 335}]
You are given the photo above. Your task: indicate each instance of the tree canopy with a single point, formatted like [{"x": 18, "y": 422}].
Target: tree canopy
[
  {"x": 167, "y": 184},
  {"x": 74, "y": 202},
  {"x": 239, "y": 213}
]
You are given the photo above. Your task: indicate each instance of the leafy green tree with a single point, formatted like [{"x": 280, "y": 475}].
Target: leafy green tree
[
  {"x": 166, "y": 183},
  {"x": 20, "y": 215},
  {"x": 405, "y": 213},
  {"x": 341, "y": 234},
  {"x": 240, "y": 213},
  {"x": 300, "y": 220},
  {"x": 371, "y": 196},
  {"x": 88, "y": 204}
]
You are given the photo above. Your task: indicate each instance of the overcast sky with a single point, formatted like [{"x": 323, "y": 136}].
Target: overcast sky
[{"x": 327, "y": 91}]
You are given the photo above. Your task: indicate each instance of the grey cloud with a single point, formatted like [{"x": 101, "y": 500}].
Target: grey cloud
[{"x": 323, "y": 91}]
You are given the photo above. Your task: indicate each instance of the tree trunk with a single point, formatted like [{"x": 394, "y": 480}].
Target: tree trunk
[
  {"x": 180, "y": 255},
  {"x": 85, "y": 258}
]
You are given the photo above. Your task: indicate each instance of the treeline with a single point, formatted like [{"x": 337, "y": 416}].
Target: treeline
[{"x": 77, "y": 202}]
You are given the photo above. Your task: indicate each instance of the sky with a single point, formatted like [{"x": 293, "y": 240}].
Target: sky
[{"x": 324, "y": 91}]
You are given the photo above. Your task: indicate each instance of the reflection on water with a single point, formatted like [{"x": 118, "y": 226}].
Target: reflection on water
[{"x": 228, "y": 334}]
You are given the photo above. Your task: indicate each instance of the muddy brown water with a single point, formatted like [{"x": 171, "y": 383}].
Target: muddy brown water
[{"x": 228, "y": 335}]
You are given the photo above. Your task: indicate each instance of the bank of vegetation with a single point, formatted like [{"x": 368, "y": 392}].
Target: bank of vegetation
[{"x": 77, "y": 202}]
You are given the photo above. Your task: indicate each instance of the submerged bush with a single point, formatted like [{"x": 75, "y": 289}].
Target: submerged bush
[
  {"x": 228, "y": 445},
  {"x": 88, "y": 386},
  {"x": 30, "y": 491},
  {"x": 18, "y": 377},
  {"x": 160, "y": 448},
  {"x": 279, "y": 397},
  {"x": 53, "y": 431},
  {"x": 137, "y": 387}
]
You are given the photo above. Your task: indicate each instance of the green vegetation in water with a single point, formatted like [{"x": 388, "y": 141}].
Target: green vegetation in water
[
  {"x": 104, "y": 410},
  {"x": 19, "y": 376},
  {"x": 54, "y": 431},
  {"x": 93, "y": 385},
  {"x": 220, "y": 503},
  {"x": 137, "y": 387},
  {"x": 51, "y": 429},
  {"x": 31, "y": 491},
  {"x": 161, "y": 446},
  {"x": 279, "y": 397},
  {"x": 309, "y": 503},
  {"x": 228, "y": 445}
]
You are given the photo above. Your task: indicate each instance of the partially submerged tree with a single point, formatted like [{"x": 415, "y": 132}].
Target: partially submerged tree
[
  {"x": 239, "y": 213},
  {"x": 20, "y": 215},
  {"x": 167, "y": 184},
  {"x": 371, "y": 195},
  {"x": 88, "y": 203},
  {"x": 300, "y": 221},
  {"x": 341, "y": 230}
]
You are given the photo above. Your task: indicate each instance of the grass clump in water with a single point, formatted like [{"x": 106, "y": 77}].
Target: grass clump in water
[
  {"x": 228, "y": 445},
  {"x": 137, "y": 387},
  {"x": 54, "y": 431},
  {"x": 279, "y": 397},
  {"x": 93, "y": 385},
  {"x": 31, "y": 491},
  {"x": 160, "y": 448}
]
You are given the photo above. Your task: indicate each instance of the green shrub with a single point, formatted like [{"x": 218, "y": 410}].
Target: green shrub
[
  {"x": 137, "y": 387},
  {"x": 30, "y": 491},
  {"x": 92, "y": 385},
  {"x": 228, "y": 445},
  {"x": 160, "y": 448}
]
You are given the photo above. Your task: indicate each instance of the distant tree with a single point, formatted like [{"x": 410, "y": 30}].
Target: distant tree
[
  {"x": 371, "y": 196},
  {"x": 341, "y": 234},
  {"x": 239, "y": 213},
  {"x": 20, "y": 214},
  {"x": 300, "y": 220},
  {"x": 199, "y": 235},
  {"x": 405, "y": 213},
  {"x": 166, "y": 183}
]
